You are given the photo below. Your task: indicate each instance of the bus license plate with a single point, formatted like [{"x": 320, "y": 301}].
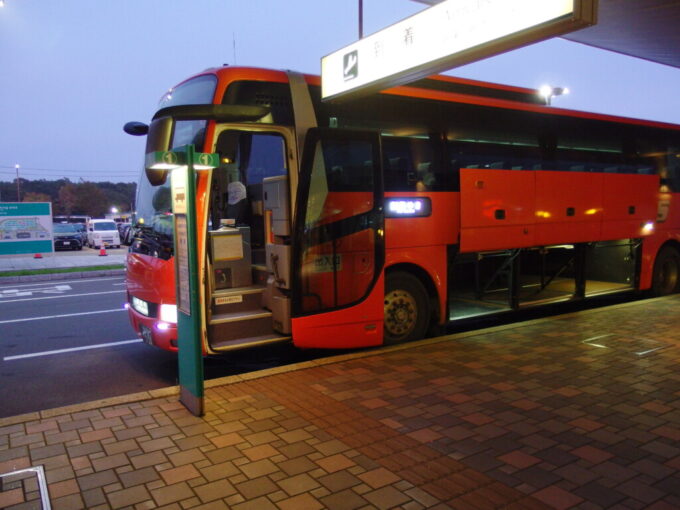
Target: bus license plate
[{"x": 146, "y": 334}]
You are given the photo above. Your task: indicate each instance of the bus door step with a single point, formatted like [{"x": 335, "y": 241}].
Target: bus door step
[
  {"x": 248, "y": 342},
  {"x": 237, "y": 301},
  {"x": 226, "y": 327}
]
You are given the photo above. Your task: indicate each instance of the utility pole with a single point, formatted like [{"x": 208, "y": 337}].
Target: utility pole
[
  {"x": 18, "y": 185},
  {"x": 361, "y": 19}
]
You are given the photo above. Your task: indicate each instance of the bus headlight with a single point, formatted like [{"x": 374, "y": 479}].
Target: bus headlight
[
  {"x": 169, "y": 313},
  {"x": 140, "y": 305}
]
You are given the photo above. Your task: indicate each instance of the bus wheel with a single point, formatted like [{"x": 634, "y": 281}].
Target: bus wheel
[
  {"x": 666, "y": 277},
  {"x": 407, "y": 308}
]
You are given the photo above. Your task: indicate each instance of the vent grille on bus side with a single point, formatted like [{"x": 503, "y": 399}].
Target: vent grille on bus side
[{"x": 276, "y": 96}]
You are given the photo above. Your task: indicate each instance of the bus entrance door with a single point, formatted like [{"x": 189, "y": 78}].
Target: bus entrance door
[{"x": 339, "y": 241}]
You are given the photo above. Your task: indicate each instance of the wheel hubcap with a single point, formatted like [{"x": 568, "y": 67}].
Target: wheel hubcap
[{"x": 401, "y": 313}]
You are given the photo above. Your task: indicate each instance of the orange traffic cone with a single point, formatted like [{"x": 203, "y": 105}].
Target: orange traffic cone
[
  {"x": 38, "y": 256},
  {"x": 102, "y": 251}
]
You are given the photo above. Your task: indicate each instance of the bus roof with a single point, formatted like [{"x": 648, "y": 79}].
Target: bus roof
[{"x": 441, "y": 88}]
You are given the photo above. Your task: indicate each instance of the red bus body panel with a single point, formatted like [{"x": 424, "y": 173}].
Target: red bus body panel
[
  {"x": 504, "y": 209},
  {"x": 568, "y": 207},
  {"x": 153, "y": 280},
  {"x": 423, "y": 241},
  {"x": 629, "y": 201},
  {"x": 356, "y": 326},
  {"x": 497, "y": 209}
]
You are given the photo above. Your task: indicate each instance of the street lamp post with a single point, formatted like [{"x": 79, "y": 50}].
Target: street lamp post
[
  {"x": 361, "y": 19},
  {"x": 16, "y": 167},
  {"x": 547, "y": 92}
]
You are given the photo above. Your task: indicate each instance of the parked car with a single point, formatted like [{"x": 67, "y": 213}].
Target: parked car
[
  {"x": 82, "y": 231},
  {"x": 67, "y": 237},
  {"x": 102, "y": 233},
  {"x": 122, "y": 226}
]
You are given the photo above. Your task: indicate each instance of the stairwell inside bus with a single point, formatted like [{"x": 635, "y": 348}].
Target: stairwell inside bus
[{"x": 248, "y": 255}]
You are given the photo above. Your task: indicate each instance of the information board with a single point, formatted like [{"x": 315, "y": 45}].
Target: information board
[
  {"x": 449, "y": 34},
  {"x": 25, "y": 227}
]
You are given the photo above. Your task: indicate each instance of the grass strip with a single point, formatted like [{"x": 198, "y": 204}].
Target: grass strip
[{"x": 28, "y": 272}]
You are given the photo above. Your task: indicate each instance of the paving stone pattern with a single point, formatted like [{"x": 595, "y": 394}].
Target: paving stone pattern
[{"x": 581, "y": 411}]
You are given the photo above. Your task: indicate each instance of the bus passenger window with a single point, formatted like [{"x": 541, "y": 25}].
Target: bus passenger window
[{"x": 411, "y": 164}]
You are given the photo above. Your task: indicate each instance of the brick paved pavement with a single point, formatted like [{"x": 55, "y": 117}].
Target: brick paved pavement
[{"x": 578, "y": 411}]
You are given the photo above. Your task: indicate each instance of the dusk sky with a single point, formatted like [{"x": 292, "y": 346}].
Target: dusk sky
[{"x": 74, "y": 71}]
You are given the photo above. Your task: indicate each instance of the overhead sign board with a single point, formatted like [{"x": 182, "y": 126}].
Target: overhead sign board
[{"x": 446, "y": 35}]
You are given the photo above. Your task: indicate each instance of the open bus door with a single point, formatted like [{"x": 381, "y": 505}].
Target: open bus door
[{"x": 339, "y": 241}]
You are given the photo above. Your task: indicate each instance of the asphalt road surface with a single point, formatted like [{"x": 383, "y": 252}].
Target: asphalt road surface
[{"x": 69, "y": 341}]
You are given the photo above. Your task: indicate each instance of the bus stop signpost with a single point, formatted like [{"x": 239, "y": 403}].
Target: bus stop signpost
[{"x": 183, "y": 162}]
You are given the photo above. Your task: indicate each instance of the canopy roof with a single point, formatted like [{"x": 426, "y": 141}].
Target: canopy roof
[{"x": 646, "y": 29}]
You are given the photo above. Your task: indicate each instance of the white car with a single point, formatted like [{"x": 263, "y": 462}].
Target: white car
[{"x": 102, "y": 233}]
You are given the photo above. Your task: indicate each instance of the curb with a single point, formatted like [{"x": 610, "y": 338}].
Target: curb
[
  {"x": 260, "y": 374},
  {"x": 61, "y": 276}
]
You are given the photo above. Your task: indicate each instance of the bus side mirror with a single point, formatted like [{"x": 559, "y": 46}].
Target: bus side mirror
[
  {"x": 136, "y": 128},
  {"x": 158, "y": 139}
]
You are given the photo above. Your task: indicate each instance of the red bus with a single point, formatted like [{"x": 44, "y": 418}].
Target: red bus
[{"x": 382, "y": 219}]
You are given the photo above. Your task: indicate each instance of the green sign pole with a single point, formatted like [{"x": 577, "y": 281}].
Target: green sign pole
[
  {"x": 187, "y": 282},
  {"x": 183, "y": 162}
]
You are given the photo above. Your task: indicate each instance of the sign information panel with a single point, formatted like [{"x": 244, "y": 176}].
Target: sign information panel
[
  {"x": 25, "y": 227},
  {"x": 449, "y": 34},
  {"x": 182, "y": 261}
]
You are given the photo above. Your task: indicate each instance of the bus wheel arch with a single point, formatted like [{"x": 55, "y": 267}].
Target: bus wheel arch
[
  {"x": 410, "y": 304},
  {"x": 666, "y": 272}
]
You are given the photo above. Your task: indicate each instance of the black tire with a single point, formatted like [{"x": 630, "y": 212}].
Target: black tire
[
  {"x": 407, "y": 308},
  {"x": 666, "y": 276}
]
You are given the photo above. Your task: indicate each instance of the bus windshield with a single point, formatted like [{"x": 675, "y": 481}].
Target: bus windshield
[{"x": 153, "y": 218}]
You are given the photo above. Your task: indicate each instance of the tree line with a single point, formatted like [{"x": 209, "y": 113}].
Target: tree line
[{"x": 84, "y": 198}]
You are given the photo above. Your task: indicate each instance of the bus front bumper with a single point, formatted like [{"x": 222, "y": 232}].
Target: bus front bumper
[{"x": 154, "y": 331}]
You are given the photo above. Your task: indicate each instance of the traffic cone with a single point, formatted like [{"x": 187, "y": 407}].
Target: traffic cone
[
  {"x": 102, "y": 251},
  {"x": 38, "y": 256}
]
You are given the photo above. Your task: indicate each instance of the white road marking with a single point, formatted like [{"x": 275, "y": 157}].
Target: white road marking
[
  {"x": 57, "y": 297},
  {"x": 79, "y": 280},
  {"x": 60, "y": 316},
  {"x": 52, "y": 289},
  {"x": 72, "y": 349}
]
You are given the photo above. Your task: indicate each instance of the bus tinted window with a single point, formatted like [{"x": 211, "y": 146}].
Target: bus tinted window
[
  {"x": 341, "y": 182},
  {"x": 266, "y": 158},
  {"x": 200, "y": 90},
  {"x": 471, "y": 154},
  {"x": 348, "y": 165},
  {"x": 416, "y": 164}
]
